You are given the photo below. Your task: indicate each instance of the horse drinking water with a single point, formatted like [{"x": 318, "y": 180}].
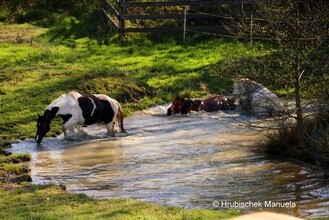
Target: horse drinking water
[
  {"x": 77, "y": 109},
  {"x": 185, "y": 106}
]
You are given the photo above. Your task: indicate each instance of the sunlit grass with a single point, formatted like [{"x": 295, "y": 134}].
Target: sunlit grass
[{"x": 51, "y": 202}]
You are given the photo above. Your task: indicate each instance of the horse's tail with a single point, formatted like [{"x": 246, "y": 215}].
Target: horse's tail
[{"x": 120, "y": 118}]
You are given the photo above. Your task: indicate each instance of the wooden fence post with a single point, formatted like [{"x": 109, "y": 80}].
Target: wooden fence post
[
  {"x": 185, "y": 10},
  {"x": 121, "y": 21}
]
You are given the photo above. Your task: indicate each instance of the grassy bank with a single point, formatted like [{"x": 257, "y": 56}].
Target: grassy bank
[
  {"x": 52, "y": 202},
  {"x": 137, "y": 72}
]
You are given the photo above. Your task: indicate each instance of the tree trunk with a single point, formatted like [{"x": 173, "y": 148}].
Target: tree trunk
[
  {"x": 298, "y": 75},
  {"x": 299, "y": 110}
]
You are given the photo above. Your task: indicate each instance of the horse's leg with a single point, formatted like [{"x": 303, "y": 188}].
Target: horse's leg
[
  {"x": 68, "y": 126},
  {"x": 123, "y": 130},
  {"x": 64, "y": 131},
  {"x": 110, "y": 128},
  {"x": 120, "y": 119}
]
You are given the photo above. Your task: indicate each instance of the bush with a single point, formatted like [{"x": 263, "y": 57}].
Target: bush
[{"x": 315, "y": 142}]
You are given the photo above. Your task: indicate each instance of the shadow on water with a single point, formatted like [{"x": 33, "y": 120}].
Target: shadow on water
[{"x": 188, "y": 161}]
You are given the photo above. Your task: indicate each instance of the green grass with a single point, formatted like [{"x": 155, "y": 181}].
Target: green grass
[
  {"x": 27, "y": 201},
  {"x": 11, "y": 166},
  {"x": 136, "y": 72},
  {"x": 7, "y": 170},
  {"x": 15, "y": 158}
]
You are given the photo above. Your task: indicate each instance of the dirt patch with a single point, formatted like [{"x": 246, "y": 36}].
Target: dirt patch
[{"x": 19, "y": 32}]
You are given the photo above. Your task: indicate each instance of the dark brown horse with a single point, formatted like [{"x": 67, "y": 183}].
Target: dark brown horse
[{"x": 185, "y": 106}]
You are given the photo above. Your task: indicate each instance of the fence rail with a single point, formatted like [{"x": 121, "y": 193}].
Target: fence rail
[
  {"x": 115, "y": 12},
  {"x": 181, "y": 3}
]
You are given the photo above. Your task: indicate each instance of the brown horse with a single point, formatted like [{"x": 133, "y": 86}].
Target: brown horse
[{"x": 185, "y": 106}]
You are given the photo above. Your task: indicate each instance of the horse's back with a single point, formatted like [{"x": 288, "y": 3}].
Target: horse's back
[
  {"x": 114, "y": 103},
  {"x": 113, "y": 108},
  {"x": 213, "y": 104},
  {"x": 74, "y": 95},
  {"x": 65, "y": 102}
]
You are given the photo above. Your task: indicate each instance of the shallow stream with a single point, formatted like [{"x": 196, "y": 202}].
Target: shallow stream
[{"x": 195, "y": 161}]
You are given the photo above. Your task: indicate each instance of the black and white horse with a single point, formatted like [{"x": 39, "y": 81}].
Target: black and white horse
[{"x": 77, "y": 109}]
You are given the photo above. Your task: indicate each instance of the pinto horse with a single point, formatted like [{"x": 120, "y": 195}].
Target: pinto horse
[
  {"x": 77, "y": 109},
  {"x": 185, "y": 106}
]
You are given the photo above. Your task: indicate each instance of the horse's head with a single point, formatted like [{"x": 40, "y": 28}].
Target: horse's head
[
  {"x": 177, "y": 106},
  {"x": 43, "y": 126}
]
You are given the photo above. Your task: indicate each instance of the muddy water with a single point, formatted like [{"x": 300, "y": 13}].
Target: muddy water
[{"x": 188, "y": 161}]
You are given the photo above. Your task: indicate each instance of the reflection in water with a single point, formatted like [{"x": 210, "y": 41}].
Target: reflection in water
[{"x": 187, "y": 161}]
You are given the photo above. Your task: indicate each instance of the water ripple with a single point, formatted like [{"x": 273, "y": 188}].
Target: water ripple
[{"x": 186, "y": 161}]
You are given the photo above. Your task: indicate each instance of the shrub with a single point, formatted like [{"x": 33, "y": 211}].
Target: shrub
[{"x": 315, "y": 142}]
